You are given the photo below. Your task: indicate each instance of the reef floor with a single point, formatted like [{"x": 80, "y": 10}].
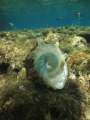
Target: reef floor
[{"x": 22, "y": 99}]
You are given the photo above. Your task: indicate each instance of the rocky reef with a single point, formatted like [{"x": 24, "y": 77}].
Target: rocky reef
[{"x": 23, "y": 99}]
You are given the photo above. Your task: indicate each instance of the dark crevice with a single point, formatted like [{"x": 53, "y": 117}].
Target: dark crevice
[
  {"x": 54, "y": 112},
  {"x": 16, "y": 70},
  {"x": 4, "y": 67},
  {"x": 86, "y": 36}
]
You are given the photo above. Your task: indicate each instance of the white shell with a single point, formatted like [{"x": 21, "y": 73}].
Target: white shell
[{"x": 44, "y": 65}]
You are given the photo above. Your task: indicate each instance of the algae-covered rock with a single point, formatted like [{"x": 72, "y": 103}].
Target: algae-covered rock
[{"x": 23, "y": 99}]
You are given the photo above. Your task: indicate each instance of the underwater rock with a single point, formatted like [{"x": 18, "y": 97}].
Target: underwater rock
[
  {"x": 45, "y": 32},
  {"x": 52, "y": 37},
  {"x": 48, "y": 62},
  {"x": 22, "y": 99},
  {"x": 78, "y": 41}
]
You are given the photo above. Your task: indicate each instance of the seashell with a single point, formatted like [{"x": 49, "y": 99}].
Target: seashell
[{"x": 49, "y": 63}]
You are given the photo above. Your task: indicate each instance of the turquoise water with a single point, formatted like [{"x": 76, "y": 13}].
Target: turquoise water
[{"x": 34, "y": 14}]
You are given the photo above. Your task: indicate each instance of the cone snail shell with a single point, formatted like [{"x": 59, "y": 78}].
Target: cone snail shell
[{"x": 49, "y": 63}]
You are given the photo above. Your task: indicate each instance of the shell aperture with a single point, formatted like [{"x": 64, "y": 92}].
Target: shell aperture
[{"x": 49, "y": 63}]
